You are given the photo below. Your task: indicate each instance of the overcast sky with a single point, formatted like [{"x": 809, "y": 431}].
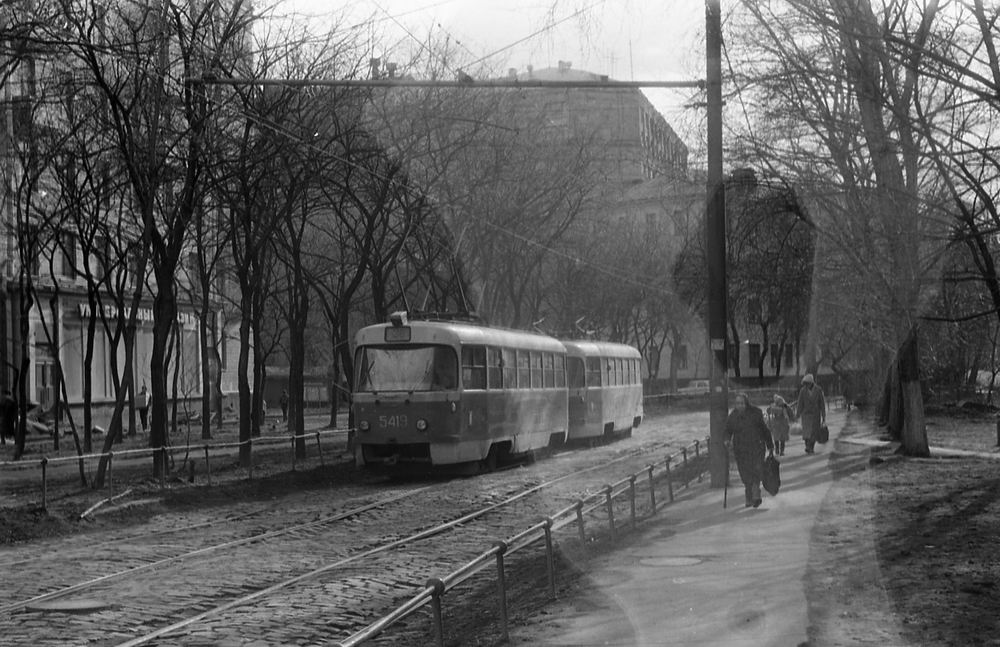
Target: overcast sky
[{"x": 625, "y": 39}]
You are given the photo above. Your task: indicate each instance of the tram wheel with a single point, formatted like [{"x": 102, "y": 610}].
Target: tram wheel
[{"x": 489, "y": 464}]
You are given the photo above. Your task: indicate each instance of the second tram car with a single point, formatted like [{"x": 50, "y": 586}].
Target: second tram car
[
  {"x": 605, "y": 389},
  {"x": 430, "y": 394}
]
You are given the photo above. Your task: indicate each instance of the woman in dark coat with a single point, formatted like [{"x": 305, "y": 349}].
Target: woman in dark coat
[
  {"x": 749, "y": 435},
  {"x": 811, "y": 410}
]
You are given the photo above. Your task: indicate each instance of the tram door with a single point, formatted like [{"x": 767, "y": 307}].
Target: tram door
[{"x": 576, "y": 382}]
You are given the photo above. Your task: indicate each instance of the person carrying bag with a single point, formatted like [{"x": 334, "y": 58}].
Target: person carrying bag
[{"x": 771, "y": 476}]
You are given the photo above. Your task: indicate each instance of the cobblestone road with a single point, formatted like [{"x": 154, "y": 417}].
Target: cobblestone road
[{"x": 317, "y": 610}]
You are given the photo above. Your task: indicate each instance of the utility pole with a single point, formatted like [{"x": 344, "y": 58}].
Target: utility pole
[{"x": 715, "y": 245}]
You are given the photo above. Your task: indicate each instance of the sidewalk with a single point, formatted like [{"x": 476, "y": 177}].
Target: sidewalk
[{"x": 702, "y": 575}]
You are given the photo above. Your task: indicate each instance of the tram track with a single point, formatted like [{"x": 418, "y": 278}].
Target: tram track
[
  {"x": 189, "y": 554},
  {"x": 350, "y": 583},
  {"x": 68, "y": 549},
  {"x": 333, "y": 575}
]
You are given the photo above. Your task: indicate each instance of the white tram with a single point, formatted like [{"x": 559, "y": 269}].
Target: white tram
[
  {"x": 430, "y": 394},
  {"x": 605, "y": 389}
]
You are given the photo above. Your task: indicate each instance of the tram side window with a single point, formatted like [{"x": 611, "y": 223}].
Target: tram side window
[
  {"x": 474, "y": 367},
  {"x": 620, "y": 369},
  {"x": 509, "y": 358},
  {"x": 494, "y": 368},
  {"x": 594, "y": 371},
  {"x": 549, "y": 370},
  {"x": 560, "y": 372},
  {"x": 523, "y": 372},
  {"x": 536, "y": 370}
]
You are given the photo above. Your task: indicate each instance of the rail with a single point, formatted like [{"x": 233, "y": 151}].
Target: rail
[
  {"x": 208, "y": 449},
  {"x": 679, "y": 464}
]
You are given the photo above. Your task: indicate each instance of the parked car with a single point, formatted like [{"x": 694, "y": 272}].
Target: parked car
[{"x": 695, "y": 387}]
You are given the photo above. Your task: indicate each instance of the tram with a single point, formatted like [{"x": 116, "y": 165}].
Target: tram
[
  {"x": 430, "y": 394},
  {"x": 604, "y": 382}
]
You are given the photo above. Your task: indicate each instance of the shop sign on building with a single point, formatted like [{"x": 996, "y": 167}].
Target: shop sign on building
[{"x": 144, "y": 315}]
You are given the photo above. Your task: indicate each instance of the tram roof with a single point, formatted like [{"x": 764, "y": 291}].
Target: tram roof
[
  {"x": 447, "y": 332},
  {"x": 589, "y": 348}
]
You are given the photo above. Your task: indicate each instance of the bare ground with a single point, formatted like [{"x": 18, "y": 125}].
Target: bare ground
[{"x": 904, "y": 552}]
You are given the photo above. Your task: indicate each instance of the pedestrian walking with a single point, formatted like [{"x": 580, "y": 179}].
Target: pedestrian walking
[
  {"x": 8, "y": 416},
  {"x": 283, "y": 401},
  {"x": 142, "y": 402},
  {"x": 811, "y": 409},
  {"x": 779, "y": 419},
  {"x": 749, "y": 436}
]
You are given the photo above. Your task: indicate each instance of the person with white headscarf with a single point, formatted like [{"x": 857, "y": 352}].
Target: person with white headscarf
[{"x": 779, "y": 418}]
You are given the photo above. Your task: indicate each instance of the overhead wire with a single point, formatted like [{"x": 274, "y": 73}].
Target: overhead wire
[
  {"x": 166, "y": 75},
  {"x": 547, "y": 27}
]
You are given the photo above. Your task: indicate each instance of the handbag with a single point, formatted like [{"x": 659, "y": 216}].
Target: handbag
[
  {"x": 823, "y": 434},
  {"x": 771, "y": 478}
]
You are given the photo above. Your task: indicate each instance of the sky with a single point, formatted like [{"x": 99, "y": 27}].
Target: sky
[{"x": 625, "y": 39}]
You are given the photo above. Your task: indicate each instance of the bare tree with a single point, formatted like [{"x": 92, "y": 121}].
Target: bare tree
[
  {"x": 828, "y": 79},
  {"x": 140, "y": 58}
]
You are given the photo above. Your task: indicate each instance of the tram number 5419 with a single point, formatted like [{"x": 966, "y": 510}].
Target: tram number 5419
[{"x": 392, "y": 422}]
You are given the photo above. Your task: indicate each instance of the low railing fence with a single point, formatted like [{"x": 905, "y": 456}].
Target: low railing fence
[
  {"x": 170, "y": 452},
  {"x": 683, "y": 467}
]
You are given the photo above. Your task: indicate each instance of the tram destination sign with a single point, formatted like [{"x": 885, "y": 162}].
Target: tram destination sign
[{"x": 396, "y": 334}]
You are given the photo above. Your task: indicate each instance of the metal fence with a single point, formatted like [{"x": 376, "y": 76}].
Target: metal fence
[
  {"x": 208, "y": 449},
  {"x": 688, "y": 464}
]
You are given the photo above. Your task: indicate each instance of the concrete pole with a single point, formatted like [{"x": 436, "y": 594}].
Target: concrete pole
[{"x": 715, "y": 245}]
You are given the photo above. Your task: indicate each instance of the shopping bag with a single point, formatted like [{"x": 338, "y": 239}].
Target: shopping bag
[
  {"x": 771, "y": 478},
  {"x": 823, "y": 434}
]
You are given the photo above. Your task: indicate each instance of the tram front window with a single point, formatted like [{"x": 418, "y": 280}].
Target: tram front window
[{"x": 407, "y": 368}]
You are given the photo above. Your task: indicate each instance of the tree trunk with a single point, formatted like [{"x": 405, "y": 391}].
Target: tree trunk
[
  {"x": 206, "y": 373},
  {"x": 24, "y": 330},
  {"x": 164, "y": 314},
  {"x": 88, "y": 373},
  {"x": 244, "y": 385},
  {"x": 914, "y": 431}
]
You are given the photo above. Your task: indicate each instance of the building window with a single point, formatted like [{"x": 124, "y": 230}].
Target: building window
[
  {"x": 788, "y": 356},
  {"x": 754, "y": 354},
  {"x": 681, "y": 357},
  {"x": 774, "y": 355},
  {"x": 69, "y": 255}
]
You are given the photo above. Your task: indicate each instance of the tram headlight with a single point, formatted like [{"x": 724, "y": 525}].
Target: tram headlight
[
  {"x": 364, "y": 425},
  {"x": 421, "y": 424}
]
